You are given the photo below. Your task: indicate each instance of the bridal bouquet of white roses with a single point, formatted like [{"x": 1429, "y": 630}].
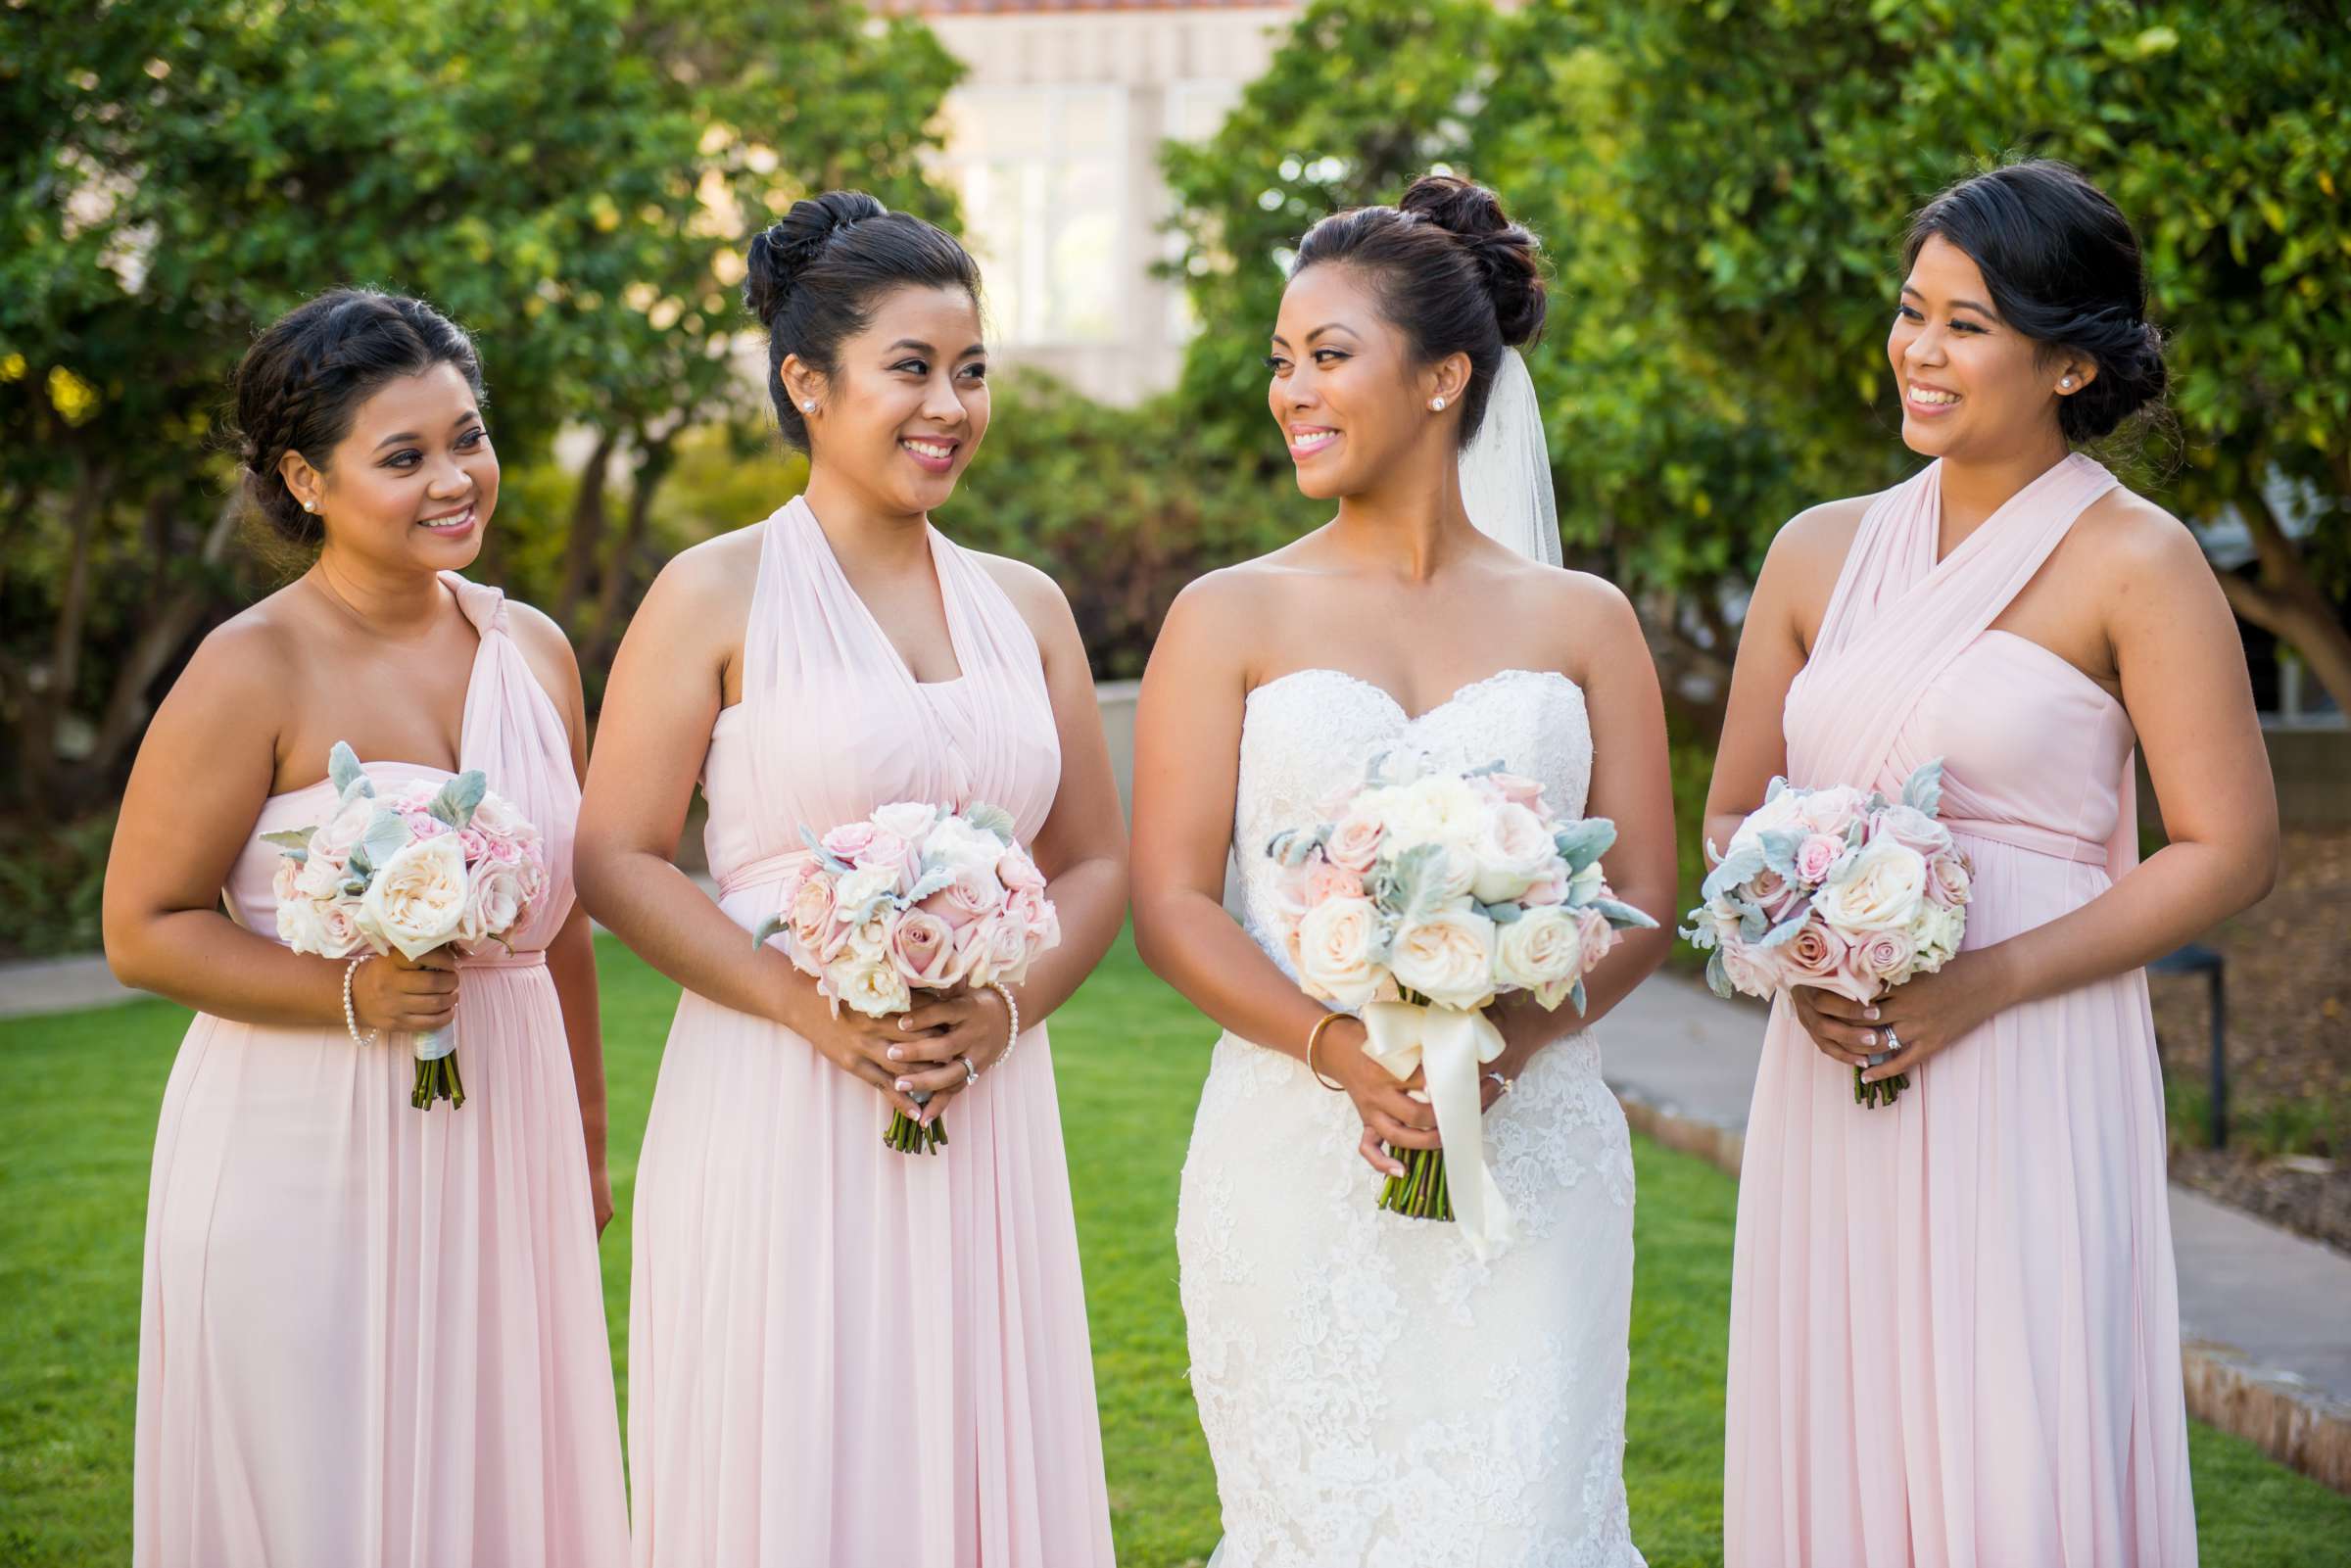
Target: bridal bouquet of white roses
[
  {"x": 1836, "y": 888},
  {"x": 1427, "y": 896},
  {"x": 424, "y": 866},
  {"x": 914, "y": 898}
]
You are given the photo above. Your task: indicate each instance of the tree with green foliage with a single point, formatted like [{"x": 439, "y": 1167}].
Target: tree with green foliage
[
  {"x": 567, "y": 177},
  {"x": 1723, "y": 186}
]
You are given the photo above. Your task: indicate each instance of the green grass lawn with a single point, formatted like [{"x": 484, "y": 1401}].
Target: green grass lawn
[{"x": 76, "y": 1128}]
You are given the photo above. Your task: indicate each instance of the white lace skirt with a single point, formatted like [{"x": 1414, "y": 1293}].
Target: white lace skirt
[{"x": 1373, "y": 1396}]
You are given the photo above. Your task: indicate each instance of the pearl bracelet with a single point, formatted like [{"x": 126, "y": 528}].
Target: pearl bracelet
[
  {"x": 1013, "y": 1008},
  {"x": 351, "y": 1017}
]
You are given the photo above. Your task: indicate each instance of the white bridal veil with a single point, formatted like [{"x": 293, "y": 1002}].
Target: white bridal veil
[{"x": 1506, "y": 469}]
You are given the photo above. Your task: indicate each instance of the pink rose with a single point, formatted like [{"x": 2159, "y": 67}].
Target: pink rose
[
  {"x": 1817, "y": 956},
  {"x": 1552, "y": 887},
  {"x": 848, "y": 840},
  {"x": 816, "y": 937},
  {"x": 1017, "y": 869},
  {"x": 1912, "y": 828},
  {"x": 320, "y": 875},
  {"x": 1949, "y": 878},
  {"x": 1816, "y": 857},
  {"x": 282, "y": 880},
  {"x": 1518, "y": 791},
  {"x": 1320, "y": 880},
  {"x": 507, "y": 851},
  {"x": 1832, "y": 810},
  {"x": 922, "y": 947},
  {"x": 1884, "y": 956},
  {"x": 1000, "y": 951},
  {"x": 970, "y": 898},
  {"x": 494, "y": 904},
  {"x": 886, "y": 851},
  {"x": 1598, "y": 935},
  {"x": 1751, "y": 972},
  {"x": 1037, "y": 918},
  {"x": 475, "y": 844},
  {"x": 1355, "y": 845},
  {"x": 425, "y": 825}
]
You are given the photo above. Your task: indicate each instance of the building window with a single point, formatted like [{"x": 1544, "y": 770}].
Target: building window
[{"x": 1037, "y": 169}]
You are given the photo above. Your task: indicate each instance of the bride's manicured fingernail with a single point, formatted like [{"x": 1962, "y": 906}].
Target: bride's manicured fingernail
[
  {"x": 1870, "y": 1013},
  {"x": 1869, "y": 1037},
  {"x": 896, "y": 1055},
  {"x": 905, "y": 1084}
]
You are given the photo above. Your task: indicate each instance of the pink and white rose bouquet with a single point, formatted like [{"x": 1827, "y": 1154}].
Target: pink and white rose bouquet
[
  {"x": 914, "y": 898},
  {"x": 422, "y": 866},
  {"x": 1424, "y": 899},
  {"x": 1847, "y": 891}
]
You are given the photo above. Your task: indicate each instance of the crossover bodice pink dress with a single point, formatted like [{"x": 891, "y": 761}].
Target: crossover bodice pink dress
[
  {"x": 373, "y": 1336},
  {"x": 1955, "y": 1321},
  {"x": 840, "y": 1353}
]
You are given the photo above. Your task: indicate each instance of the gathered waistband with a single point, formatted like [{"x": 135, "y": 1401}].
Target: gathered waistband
[
  {"x": 764, "y": 873},
  {"x": 2033, "y": 840},
  {"x": 529, "y": 958}
]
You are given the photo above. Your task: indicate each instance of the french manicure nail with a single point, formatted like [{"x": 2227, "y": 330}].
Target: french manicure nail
[
  {"x": 896, "y": 1055},
  {"x": 1870, "y": 1013},
  {"x": 905, "y": 1084},
  {"x": 1869, "y": 1037}
]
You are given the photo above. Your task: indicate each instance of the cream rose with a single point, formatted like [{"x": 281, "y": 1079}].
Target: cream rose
[
  {"x": 959, "y": 847},
  {"x": 494, "y": 904},
  {"x": 1334, "y": 951},
  {"x": 873, "y": 988},
  {"x": 1512, "y": 852},
  {"x": 863, "y": 884},
  {"x": 1354, "y": 843},
  {"x": 1441, "y": 808},
  {"x": 1939, "y": 932},
  {"x": 417, "y": 900},
  {"x": 1446, "y": 957},
  {"x": 1881, "y": 892},
  {"x": 909, "y": 820},
  {"x": 1542, "y": 951}
]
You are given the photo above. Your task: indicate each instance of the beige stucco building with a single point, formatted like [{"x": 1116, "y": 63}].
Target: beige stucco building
[{"x": 1053, "y": 145}]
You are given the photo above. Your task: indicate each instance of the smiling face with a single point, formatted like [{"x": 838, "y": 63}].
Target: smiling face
[
  {"x": 1346, "y": 392},
  {"x": 1972, "y": 386},
  {"x": 413, "y": 482},
  {"x": 907, "y": 405}
]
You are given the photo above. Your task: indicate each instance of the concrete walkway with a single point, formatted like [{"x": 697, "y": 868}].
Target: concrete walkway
[{"x": 2264, "y": 1314}]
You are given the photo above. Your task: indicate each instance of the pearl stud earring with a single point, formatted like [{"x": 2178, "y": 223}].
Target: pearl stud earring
[
  {"x": 1436, "y": 405},
  {"x": 2067, "y": 385},
  {"x": 810, "y": 406},
  {"x": 310, "y": 505}
]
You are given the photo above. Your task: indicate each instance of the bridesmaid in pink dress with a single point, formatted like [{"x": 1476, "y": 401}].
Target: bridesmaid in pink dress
[
  {"x": 1954, "y": 1324},
  {"x": 369, "y": 1335},
  {"x": 840, "y": 1353}
]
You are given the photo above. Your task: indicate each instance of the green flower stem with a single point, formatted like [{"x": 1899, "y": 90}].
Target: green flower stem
[{"x": 909, "y": 1136}]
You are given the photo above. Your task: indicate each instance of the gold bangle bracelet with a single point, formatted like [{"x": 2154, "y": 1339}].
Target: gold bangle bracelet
[{"x": 1313, "y": 1037}]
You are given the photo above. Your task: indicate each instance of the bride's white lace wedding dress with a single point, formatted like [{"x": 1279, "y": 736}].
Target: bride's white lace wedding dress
[{"x": 1373, "y": 1396}]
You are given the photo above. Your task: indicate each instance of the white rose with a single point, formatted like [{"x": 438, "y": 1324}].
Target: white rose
[
  {"x": 1882, "y": 893},
  {"x": 1543, "y": 951},
  {"x": 339, "y": 936},
  {"x": 1334, "y": 951},
  {"x": 300, "y": 926},
  {"x": 1442, "y": 809},
  {"x": 417, "y": 899},
  {"x": 909, "y": 820},
  {"x": 1938, "y": 931},
  {"x": 1512, "y": 853},
  {"x": 958, "y": 846},
  {"x": 862, "y": 886},
  {"x": 875, "y": 988},
  {"x": 1448, "y": 958}
]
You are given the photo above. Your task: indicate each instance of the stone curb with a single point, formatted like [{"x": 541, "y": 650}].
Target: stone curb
[{"x": 2277, "y": 1412}]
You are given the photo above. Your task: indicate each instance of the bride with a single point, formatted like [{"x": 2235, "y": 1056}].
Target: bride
[{"x": 1375, "y": 1388}]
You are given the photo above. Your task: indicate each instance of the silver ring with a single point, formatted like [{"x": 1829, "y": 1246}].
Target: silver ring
[
  {"x": 1506, "y": 1084},
  {"x": 971, "y": 1073}
]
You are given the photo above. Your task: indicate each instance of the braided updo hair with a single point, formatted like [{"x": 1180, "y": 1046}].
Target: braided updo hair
[
  {"x": 1451, "y": 272},
  {"x": 302, "y": 383},
  {"x": 816, "y": 274},
  {"x": 2063, "y": 268}
]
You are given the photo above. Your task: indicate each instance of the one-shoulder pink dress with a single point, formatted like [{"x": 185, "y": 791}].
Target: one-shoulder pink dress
[
  {"x": 1955, "y": 1321},
  {"x": 840, "y": 1353},
  {"x": 373, "y": 1336}
]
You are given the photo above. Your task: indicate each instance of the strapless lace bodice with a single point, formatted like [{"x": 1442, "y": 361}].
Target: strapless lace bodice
[{"x": 1306, "y": 737}]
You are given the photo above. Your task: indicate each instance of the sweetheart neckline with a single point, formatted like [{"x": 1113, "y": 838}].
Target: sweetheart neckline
[{"x": 1459, "y": 694}]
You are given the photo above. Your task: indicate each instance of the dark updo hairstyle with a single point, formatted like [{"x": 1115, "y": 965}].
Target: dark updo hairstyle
[
  {"x": 300, "y": 384},
  {"x": 817, "y": 274},
  {"x": 1451, "y": 272},
  {"x": 2063, "y": 268}
]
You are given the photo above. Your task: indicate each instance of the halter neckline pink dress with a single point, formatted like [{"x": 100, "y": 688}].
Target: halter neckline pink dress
[
  {"x": 840, "y": 1353},
  {"x": 1955, "y": 1321},
  {"x": 370, "y": 1335}
]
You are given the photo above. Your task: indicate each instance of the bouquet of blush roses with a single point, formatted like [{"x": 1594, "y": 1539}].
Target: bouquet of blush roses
[
  {"x": 425, "y": 867},
  {"x": 914, "y": 898},
  {"x": 1849, "y": 892},
  {"x": 1427, "y": 896}
]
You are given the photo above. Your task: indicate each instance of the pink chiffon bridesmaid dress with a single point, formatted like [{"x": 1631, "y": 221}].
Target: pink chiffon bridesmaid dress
[
  {"x": 1955, "y": 1321},
  {"x": 840, "y": 1353},
  {"x": 373, "y": 1336}
]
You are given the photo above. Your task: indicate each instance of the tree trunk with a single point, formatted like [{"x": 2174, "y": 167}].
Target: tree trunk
[
  {"x": 587, "y": 539},
  {"x": 52, "y": 698},
  {"x": 655, "y": 461},
  {"x": 2285, "y": 602},
  {"x": 168, "y": 625}
]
